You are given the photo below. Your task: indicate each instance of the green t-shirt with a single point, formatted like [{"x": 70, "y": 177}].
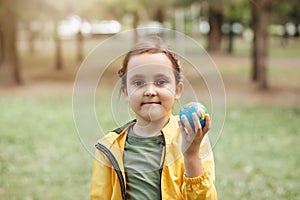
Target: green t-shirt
[{"x": 142, "y": 160}]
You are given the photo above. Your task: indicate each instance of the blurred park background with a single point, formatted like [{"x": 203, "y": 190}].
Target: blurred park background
[{"x": 255, "y": 45}]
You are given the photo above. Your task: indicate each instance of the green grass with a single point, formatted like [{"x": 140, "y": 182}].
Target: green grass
[
  {"x": 42, "y": 158},
  {"x": 256, "y": 157}
]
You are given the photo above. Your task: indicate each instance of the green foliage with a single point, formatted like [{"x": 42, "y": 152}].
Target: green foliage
[
  {"x": 237, "y": 11},
  {"x": 285, "y": 11}
]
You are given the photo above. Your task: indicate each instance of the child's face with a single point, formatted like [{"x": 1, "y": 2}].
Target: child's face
[{"x": 151, "y": 88}]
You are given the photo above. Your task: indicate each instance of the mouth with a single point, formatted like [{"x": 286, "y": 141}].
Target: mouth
[{"x": 150, "y": 103}]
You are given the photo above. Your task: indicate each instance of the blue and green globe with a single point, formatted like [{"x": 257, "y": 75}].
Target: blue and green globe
[{"x": 193, "y": 107}]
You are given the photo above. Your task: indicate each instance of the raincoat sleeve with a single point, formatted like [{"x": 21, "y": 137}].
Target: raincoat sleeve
[
  {"x": 101, "y": 181},
  {"x": 203, "y": 186}
]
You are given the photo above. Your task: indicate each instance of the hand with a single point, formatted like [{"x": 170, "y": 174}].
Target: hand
[{"x": 191, "y": 139}]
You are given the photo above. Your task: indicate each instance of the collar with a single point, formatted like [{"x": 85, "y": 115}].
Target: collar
[{"x": 171, "y": 129}]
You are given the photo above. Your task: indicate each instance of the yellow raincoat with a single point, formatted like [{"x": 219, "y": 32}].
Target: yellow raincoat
[{"x": 108, "y": 176}]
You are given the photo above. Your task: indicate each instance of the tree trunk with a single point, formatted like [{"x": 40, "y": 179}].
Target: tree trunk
[
  {"x": 264, "y": 35},
  {"x": 10, "y": 72},
  {"x": 160, "y": 15},
  {"x": 31, "y": 39},
  {"x": 135, "y": 23},
  {"x": 255, "y": 26},
  {"x": 215, "y": 34},
  {"x": 79, "y": 47},
  {"x": 1, "y": 46},
  {"x": 297, "y": 34},
  {"x": 58, "y": 50},
  {"x": 230, "y": 39},
  {"x": 260, "y": 45}
]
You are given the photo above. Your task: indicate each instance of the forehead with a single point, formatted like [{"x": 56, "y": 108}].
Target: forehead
[{"x": 148, "y": 62}]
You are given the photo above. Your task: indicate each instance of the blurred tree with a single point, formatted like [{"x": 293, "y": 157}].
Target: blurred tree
[
  {"x": 79, "y": 55},
  {"x": 28, "y": 20},
  {"x": 93, "y": 10},
  {"x": 117, "y": 9},
  {"x": 12, "y": 12},
  {"x": 235, "y": 11},
  {"x": 1, "y": 47},
  {"x": 218, "y": 13},
  {"x": 215, "y": 19},
  {"x": 260, "y": 21},
  {"x": 182, "y": 18},
  {"x": 58, "y": 47},
  {"x": 57, "y": 10},
  {"x": 10, "y": 70},
  {"x": 154, "y": 10},
  {"x": 286, "y": 11},
  {"x": 133, "y": 8},
  {"x": 139, "y": 10}
]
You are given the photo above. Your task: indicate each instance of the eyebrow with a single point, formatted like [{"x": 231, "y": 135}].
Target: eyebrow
[
  {"x": 136, "y": 76},
  {"x": 162, "y": 76},
  {"x": 140, "y": 76}
]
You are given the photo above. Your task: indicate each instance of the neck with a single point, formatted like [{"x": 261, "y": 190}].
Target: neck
[{"x": 150, "y": 128}]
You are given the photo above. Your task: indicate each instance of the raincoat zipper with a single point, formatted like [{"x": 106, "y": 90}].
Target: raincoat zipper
[
  {"x": 115, "y": 165},
  {"x": 163, "y": 162}
]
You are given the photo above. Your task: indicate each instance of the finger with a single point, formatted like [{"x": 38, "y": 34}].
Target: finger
[
  {"x": 207, "y": 123},
  {"x": 187, "y": 124},
  {"x": 181, "y": 128},
  {"x": 197, "y": 123}
]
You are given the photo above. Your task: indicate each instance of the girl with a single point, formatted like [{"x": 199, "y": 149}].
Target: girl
[{"x": 154, "y": 156}]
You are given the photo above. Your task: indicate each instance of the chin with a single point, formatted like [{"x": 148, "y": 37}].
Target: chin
[{"x": 157, "y": 116}]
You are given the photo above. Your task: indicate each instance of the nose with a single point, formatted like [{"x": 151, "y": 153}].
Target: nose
[{"x": 150, "y": 91}]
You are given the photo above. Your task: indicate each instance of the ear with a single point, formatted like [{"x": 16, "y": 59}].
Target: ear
[
  {"x": 179, "y": 90},
  {"x": 124, "y": 92}
]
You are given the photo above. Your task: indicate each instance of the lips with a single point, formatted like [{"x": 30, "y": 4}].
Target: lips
[{"x": 150, "y": 103}]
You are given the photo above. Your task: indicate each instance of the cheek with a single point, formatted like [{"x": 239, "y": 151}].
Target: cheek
[
  {"x": 133, "y": 94},
  {"x": 170, "y": 91},
  {"x": 168, "y": 96}
]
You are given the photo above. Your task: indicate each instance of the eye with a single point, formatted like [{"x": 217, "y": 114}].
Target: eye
[
  {"x": 138, "y": 83},
  {"x": 160, "y": 82}
]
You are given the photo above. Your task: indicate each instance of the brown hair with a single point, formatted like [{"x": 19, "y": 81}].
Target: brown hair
[{"x": 155, "y": 45}]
